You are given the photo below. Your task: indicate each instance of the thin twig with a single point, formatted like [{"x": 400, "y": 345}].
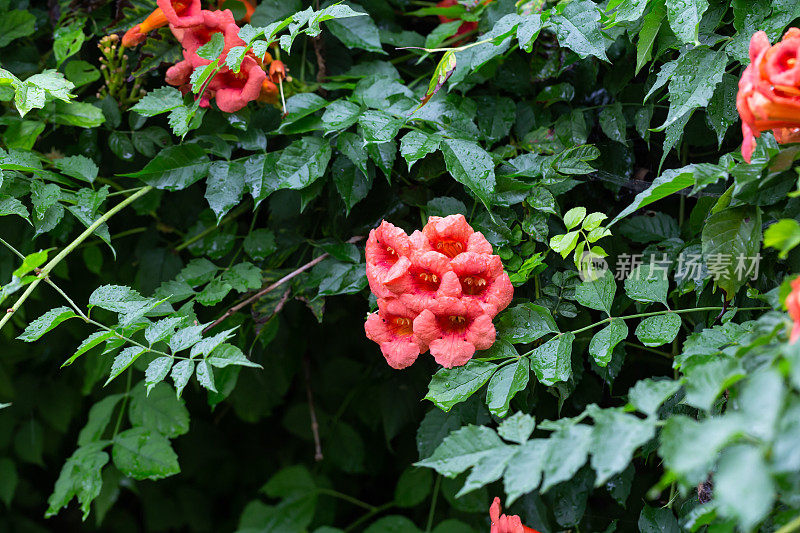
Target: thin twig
[
  {"x": 257, "y": 296},
  {"x": 314, "y": 425},
  {"x": 46, "y": 269}
]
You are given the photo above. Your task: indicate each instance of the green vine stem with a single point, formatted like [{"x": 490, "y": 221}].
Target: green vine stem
[
  {"x": 45, "y": 271},
  {"x": 791, "y": 527},
  {"x": 644, "y": 315},
  {"x": 656, "y": 313}
]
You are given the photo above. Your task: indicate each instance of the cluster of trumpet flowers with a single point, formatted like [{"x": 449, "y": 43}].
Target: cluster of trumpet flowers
[
  {"x": 438, "y": 289},
  {"x": 257, "y": 77},
  {"x": 769, "y": 90}
]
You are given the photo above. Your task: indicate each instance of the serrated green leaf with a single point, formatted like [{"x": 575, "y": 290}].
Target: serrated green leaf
[
  {"x": 450, "y": 386},
  {"x": 463, "y": 449},
  {"x": 46, "y": 322},
  {"x": 505, "y": 384},
  {"x": 142, "y": 453}
]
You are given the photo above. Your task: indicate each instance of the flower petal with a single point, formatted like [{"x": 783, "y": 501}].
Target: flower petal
[{"x": 452, "y": 351}]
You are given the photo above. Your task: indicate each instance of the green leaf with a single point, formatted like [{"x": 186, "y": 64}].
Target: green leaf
[
  {"x": 78, "y": 167},
  {"x": 416, "y": 144},
  {"x": 574, "y": 216},
  {"x": 44, "y": 196},
  {"x": 470, "y": 165},
  {"x": 731, "y": 240},
  {"x": 552, "y": 361},
  {"x": 302, "y": 163},
  {"x": 705, "y": 381},
  {"x": 413, "y": 487},
  {"x": 357, "y": 32},
  {"x": 615, "y": 436},
  {"x": 487, "y": 470},
  {"x": 648, "y": 394},
  {"x": 260, "y": 243},
  {"x": 159, "y": 101},
  {"x": 613, "y": 123},
  {"x": 721, "y": 113},
  {"x": 528, "y": 31},
  {"x": 213, "y": 48},
  {"x": 657, "y": 520},
  {"x": 651, "y": 24},
  {"x": 30, "y": 263},
  {"x": 175, "y": 167},
  {"x": 444, "y": 70},
  {"x": 517, "y": 428},
  {"x": 46, "y": 322},
  {"x": 186, "y": 338},
  {"x": 225, "y": 355},
  {"x": 568, "y": 450},
  {"x": 68, "y": 41},
  {"x": 123, "y": 360},
  {"x": 12, "y": 206},
  {"x": 340, "y": 115},
  {"x": 116, "y": 298},
  {"x": 647, "y": 283},
  {"x": 578, "y": 28},
  {"x": 378, "y": 126},
  {"x": 690, "y": 448},
  {"x": 8, "y": 480},
  {"x": 352, "y": 183},
  {"x": 14, "y": 24},
  {"x": 95, "y": 339},
  {"x": 81, "y": 73},
  {"x": 692, "y": 84},
  {"x": 670, "y": 182},
  {"x": 525, "y": 323},
  {"x": 684, "y": 18},
  {"x": 243, "y": 277},
  {"x": 784, "y": 235},
  {"x": 463, "y": 449},
  {"x": 649, "y": 228},
  {"x": 525, "y": 472},
  {"x": 658, "y": 330},
  {"x": 743, "y": 487},
  {"x": 78, "y": 114},
  {"x": 142, "y": 453},
  {"x": 224, "y": 186},
  {"x": 205, "y": 375},
  {"x": 156, "y": 371},
  {"x": 159, "y": 410},
  {"x": 181, "y": 373},
  {"x": 627, "y": 10},
  {"x": 80, "y": 477},
  {"x": 300, "y": 106},
  {"x": 391, "y": 524},
  {"x": 506, "y": 383},
  {"x": 450, "y": 386},
  {"x": 599, "y": 293},
  {"x": 601, "y": 347},
  {"x": 99, "y": 417},
  {"x": 160, "y": 330}
]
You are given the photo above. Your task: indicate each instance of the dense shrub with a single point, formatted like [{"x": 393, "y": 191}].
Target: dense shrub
[{"x": 203, "y": 204}]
